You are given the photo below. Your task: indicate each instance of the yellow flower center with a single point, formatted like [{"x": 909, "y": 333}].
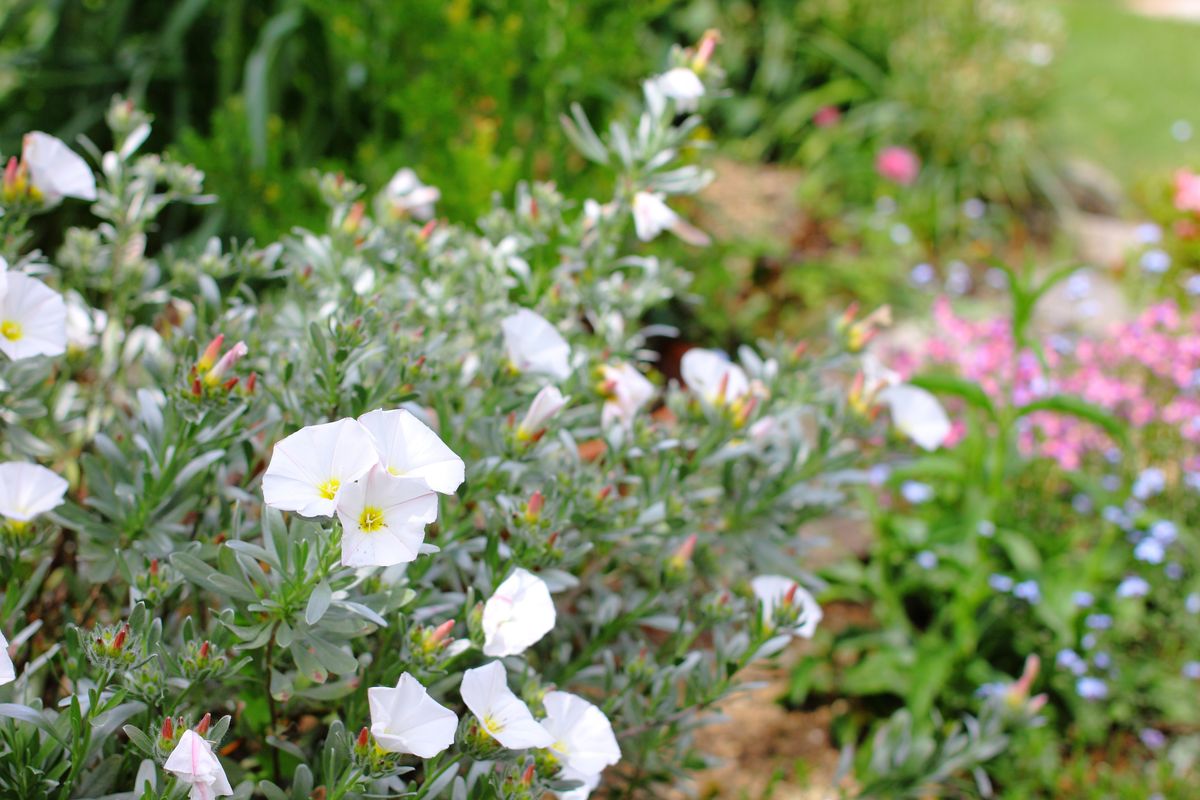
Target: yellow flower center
[
  {"x": 329, "y": 488},
  {"x": 396, "y": 471},
  {"x": 371, "y": 519},
  {"x": 493, "y": 726},
  {"x": 10, "y": 330}
]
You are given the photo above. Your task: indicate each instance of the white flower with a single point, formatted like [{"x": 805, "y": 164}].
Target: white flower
[
  {"x": 683, "y": 86},
  {"x": 406, "y": 194},
  {"x": 27, "y": 490},
  {"x": 311, "y": 466},
  {"x": 84, "y": 323},
  {"x": 500, "y": 712},
  {"x": 383, "y": 519},
  {"x": 407, "y": 720},
  {"x": 193, "y": 761},
  {"x": 33, "y": 317},
  {"x": 713, "y": 377},
  {"x": 548, "y": 402},
  {"x": 917, "y": 414},
  {"x": 8, "y": 673},
  {"x": 590, "y": 782},
  {"x": 408, "y": 448},
  {"x": 519, "y": 614},
  {"x": 56, "y": 170},
  {"x": 652, "y": 216},
  {"x": 774, "y": 590},
  {"x": 583, "y": 738},
  {"x": 534, "y": 345},
  {"x": 627, "y": 390}
]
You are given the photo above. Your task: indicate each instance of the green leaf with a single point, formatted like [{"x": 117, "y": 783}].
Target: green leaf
[
  {"x": 969, "y": 391},
  {"x": 1081, "y": 409},
  {"x": 318, "y": 603}
]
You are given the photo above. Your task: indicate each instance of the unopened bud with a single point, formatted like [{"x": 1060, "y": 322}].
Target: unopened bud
[
  {"x": 205, "y": 721},
  {"x": 527, "y": 777},
  {"x": 122, "y": 635},
  {"x": 168, "y": 730},
  {"x": 533, "y": 508},
  {"x": 210, "y": 354},
  {"x": 364, "y": 736},
  {"x": 441, "y": 632}
]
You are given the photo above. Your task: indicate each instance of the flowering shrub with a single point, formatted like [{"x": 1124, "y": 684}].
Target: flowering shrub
[
  {"x": 393, "y": 507},
  {"x": 1027, "y": 532}
]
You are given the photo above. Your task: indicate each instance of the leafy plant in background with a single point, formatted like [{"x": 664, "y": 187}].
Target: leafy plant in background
[
  {"x": 389, "y": 507},
  {"x": 1023, "y": 540}
]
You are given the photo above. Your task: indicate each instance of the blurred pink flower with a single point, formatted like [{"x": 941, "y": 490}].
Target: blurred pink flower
[
  {"x": 898, "y": 165},
  {"x": 1187, "y": 191},
  {"x": 827, "y": 117}
]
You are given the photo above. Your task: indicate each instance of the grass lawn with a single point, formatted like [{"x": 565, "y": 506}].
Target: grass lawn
[{"x": 1125, "y": 80}]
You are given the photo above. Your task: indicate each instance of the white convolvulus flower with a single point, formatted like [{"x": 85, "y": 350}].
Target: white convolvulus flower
[
  {"x": 407, "y": 720},
  {"x": 409, "y": 448},
  {"x": 519, "y": 614},
  {"x": 627, "y": 391},
  {"x": 309, "y": 468},
  {"x": 500, "y": 712},
  {"x": 774, "y": 591},
  {"x": 652, "y": 216},
  {"x": 713, "y": 378},
  {"x": 405, "y": 194},
  {"x": 548, "y": 402},
  {"x": 33, "y": 317},
  {"x": 55, "y": 170},
  {"x": 8, "y": 672},
  {"x": 383, "y": 518},
  {"x": 27, "y": 490},
  {"x": 584, "y": 742},
  {"x": 534, "y": 345},
  {"x": 917, "y": 414},
  {"x": 194, "y": 762},
  {"x": 84, "y": 323},
  {"x": 683, "y": 86}
]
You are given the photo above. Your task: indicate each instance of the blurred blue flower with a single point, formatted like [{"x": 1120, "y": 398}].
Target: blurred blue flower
[
  {"x": 1164, "y": 530},
  {"x": 1098, "y": 622},
  {"x": 1133, "y": 586},
  {"x": 1027, "y": 591},
  {"x": 926, "y": 559},
  {"x": 1191, "y": 670},
  {"x": 1192, "y": 603},
  {"x": 922, "y": 274},
  {"x": 1069, "y": 660},
  {"x": 1082, "y": 599},
  {"x": 1150, "y": 482},
  {"x": 1150, "y": 551},
  {"x": 916, "y": 492},
  {"x": 1155, "y": 261},
  {"x": 1154, "y": 739},
  {"x": 986, "y": 528},
  {"x": 1102, "y": 660},
  {"x": 974, "y": 208},
  {"x": 1173, "y": 571},
  {"x": 1001, "y": 583},
  {"x": 1090, "y": 688},
  {"x": 1192, "y": 285},
  {"x": 1148, "y": 233},
  {"x": 901, "y": 234},
  {"x": 1088, "y": 641}
]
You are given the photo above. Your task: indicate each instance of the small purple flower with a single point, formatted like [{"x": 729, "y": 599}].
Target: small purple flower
[
  {"x": 1098, "y": 622},
  {"x": 1155, "y": 261},
  {"x": 1192, "y": 285},
  {"x": 878, "y": 474},
  {"x": 1154, "y": 739},
  {"x": 901, "y": 234},
  {"x": 916, "y": 492},
  {"x": 1000, "y": 583},
  {"x": 1111, "y": 482},
  {"x": 1028, "y": 591},
  {"x": 927, "y": 559},
  {"x": 974, "y": 208},
  {"x": 1150, "y": 551},
  {"x": 1148, "y": 233},
  {"x": 1133, "y": 586},
  {"x": 996, "y": 278},
  {"x": 1173, "y": 571},
  {"x": 1150, "y": 482},
  {"x": 1115, "y": 515},
  {"x": 1069, "y": 660},
  {"x": 1192, "y": 603},
  {"x": 1082, "y": 599},
  {"x": 1088, "y": 641},
  {"x": 1090, "y": 688},
  {"x": 1102, "y": 660},
  {"x": 1081, "y": 503},
  {"x": 922, "y": 274},
  {"x": 1165, "y": 531},
  {"x": 986, "y": 528},
  {"x": 1191, "y": 670}
]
